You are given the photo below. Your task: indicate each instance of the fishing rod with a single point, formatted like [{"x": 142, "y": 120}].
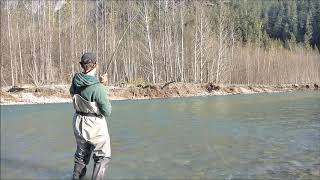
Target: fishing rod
[{"x": 119, "y": 42}]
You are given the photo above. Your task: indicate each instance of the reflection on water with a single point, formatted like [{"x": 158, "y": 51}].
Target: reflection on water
[{"x": 224, "y": 137}]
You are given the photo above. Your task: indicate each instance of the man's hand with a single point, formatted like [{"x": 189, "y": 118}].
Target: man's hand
[{"x": 104, "y": 79}]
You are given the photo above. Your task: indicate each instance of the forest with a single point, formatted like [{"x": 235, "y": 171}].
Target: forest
[{"x": 219, "y": 41}]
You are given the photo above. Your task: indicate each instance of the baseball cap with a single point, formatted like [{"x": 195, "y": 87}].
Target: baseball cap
[{"x": 88, "y": 58}]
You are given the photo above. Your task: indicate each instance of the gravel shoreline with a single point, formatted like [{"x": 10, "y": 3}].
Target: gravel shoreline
[{"x": 28, "y": 94}]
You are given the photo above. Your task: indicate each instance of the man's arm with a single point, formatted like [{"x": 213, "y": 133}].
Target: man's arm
[
  {"x": 72, "y": 89},
  {"x": 103, "y": 101}
]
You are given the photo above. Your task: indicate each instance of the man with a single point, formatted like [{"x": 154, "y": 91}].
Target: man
[{"x": 90, "y": 128}]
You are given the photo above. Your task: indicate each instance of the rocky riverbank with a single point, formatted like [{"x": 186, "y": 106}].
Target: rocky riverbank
[{"x": 29, "y": 94}]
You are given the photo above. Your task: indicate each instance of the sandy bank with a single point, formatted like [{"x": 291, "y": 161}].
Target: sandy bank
[{"x": 29, "y": 94}]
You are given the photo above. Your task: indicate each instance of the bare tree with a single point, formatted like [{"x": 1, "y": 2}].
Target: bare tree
[
  {"x": 148, "y": 33},
  {"x": 10, "y": 45},
  {"x": 182, "y": 44}
]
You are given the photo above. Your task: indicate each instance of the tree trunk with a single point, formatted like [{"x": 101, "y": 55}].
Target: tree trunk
[
  {"x": 149, "y": 41},
  {"x": 182, "y": 43},
  {"x": 20, "y": 55},
  {"x": 97, "y": 33},
  {"x": 10, "y": 45},
  {"x": 59, "y": 39}
]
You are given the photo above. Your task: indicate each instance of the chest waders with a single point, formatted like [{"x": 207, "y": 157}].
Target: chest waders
[{"x": 92, "y": 136}]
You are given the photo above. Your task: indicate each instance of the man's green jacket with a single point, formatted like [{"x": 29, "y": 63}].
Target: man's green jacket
[{"x": 92, "y": 90}]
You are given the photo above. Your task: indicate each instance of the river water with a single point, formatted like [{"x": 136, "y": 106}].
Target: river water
[{"x": 219, "y": 137}]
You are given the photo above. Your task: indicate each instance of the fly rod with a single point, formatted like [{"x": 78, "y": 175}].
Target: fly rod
[{"x": 119, "y": 42}]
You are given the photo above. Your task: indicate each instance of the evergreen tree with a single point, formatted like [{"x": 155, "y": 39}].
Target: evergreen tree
[
  {"x": 308, "y": 34},
  {"x": 278, "y": 26},
  {"x": 315, "y": 23},
  {"x": 293, "y": 19},
  {"x": 302, "y": 10}
]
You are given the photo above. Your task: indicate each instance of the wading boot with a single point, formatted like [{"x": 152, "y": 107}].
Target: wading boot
[
  {"x": 100, "y": 168},
  {"x": 79, "y": 171},
  {"x": 83, "y": 172}
]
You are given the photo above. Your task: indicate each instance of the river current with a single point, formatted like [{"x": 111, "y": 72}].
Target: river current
[{"x": 219, "y": 137}]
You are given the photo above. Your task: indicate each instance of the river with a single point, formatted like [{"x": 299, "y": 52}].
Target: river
[{"x": 218, "y": 137}]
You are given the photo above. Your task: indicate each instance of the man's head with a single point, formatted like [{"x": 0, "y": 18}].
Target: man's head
[{"x": 88, "y": 62}]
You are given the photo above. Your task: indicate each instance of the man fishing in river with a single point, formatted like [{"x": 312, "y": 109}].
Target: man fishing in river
[{"x": 90, "y": 128}]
